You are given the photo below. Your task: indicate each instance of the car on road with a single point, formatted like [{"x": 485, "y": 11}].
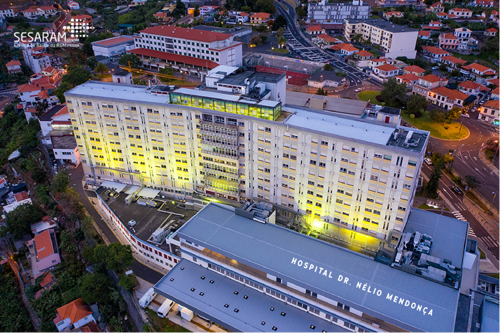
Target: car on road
[
  {"x": 427, "y": 161},
  {"x": 358, "y": 90},
  {"x": 457, "y": 190},
  {"x": 465, "y": 115},
  {"x": 435, "y": 67}
]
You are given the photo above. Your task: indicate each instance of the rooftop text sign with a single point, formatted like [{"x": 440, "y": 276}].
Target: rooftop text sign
[{"x": 365, "y": 287}]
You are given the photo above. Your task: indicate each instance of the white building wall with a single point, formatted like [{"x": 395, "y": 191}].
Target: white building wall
[
  {"x": 68, "y": 154},
  {"x": 84, "y": 321}
]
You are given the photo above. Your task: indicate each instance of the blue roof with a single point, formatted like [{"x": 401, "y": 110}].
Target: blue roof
[
  {"x": 252, "y": 311},
  {"x": 279, "y": 251},
  {"x": 489, "y": 318}
]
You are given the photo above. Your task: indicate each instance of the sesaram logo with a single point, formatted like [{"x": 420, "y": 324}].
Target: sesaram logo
[{"x": 45, "y": 39}]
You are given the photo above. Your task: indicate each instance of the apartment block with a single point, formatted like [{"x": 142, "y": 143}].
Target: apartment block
[
  {"x": 214, "y": 46},
  {"x": 395, "y": 40},
  {"x": 233, "y": 144},
  {"x": 335, "y": 13}
]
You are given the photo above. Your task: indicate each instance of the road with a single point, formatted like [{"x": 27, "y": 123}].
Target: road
[
  {"x": 467, "y": 160},
  {"x": 459, "y": 209},
  {"x": 139, "y": 269},
  {"x": 309, "y": 51}
]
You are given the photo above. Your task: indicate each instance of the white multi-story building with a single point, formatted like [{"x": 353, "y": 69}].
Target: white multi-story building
[
  {"x": 35, "y": 12},
  {"x": 360, "y": 175},
  {"x": 395, "y": 40},
  {"x": 214, "y": 46},
  {"x": 113, "y": 46},
  {"x": 6, "y": 11},
  {"x": 37, "y": 58},
  {"x": 331, "y": 13}
]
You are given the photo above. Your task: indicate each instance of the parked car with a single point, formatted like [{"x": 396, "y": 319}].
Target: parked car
[
  {"x": 435, "y": 67},
  {"x": 465, "y": 115},
  {"x": 457, "y": 190},
  {"x": 358, "y": 90},
  {"x": 427, "y": 161}
]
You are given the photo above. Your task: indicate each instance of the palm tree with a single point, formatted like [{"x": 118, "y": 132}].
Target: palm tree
[
  {"x": 101, "y": 68},
  {"x": 281, "y": 42}
]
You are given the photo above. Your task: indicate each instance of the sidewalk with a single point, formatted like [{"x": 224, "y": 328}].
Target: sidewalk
[{"x": 490, "y": 165}]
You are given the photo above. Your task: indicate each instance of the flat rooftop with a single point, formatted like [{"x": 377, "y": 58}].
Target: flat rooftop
[
  {"x": 230, "y": 31},
  {"x": 449, "y": 235},
  {"x": 254, "y": 312},
  {"x": 333, "y": 104},
  {"x": 282, "y": 252},
  {"x": 63, "y": 142},
  {"x": 382, "y": 24},
  {"x": 240, "y": 78},
  {"x": 148, "y": 219}
]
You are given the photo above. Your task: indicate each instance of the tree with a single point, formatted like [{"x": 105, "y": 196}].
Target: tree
[
  {"x": 437, "y": 116},
  {"x": 101, "y": 68},
  {"x": 428, "y": 72},
  {"x": 492, "y": 144},
  {"x": 341, "y": 74},
  {"x": 18, "y": 221},
  {"x": 357, "y": 37},
  {"x": 60, "y": 182},
  {"x": 167, "y": 71},
  {"x": 95, "y": 288},
  {"x": 453, "y": 114},
  {"x": 255, "y": 40},
  {"x": 433, "y": 184},
  {"x": 76, "y": 76},
  {"x": 280, "y": 32},
  {"x": 448, "y": 159},
  {"x": 126, "y": 281},
  {"x": 266, "y": 6},
  {"x": 281, "y": 42},
  {"x": 196, "y": 10},
  {"x": 415, "y": 103},
  {"x": 471, "y": 182},
  {"x": 118, "y": 256},
  {"x": 321, "y": 91},
  {"x": 299, "y": 10},
  {"x": 280, "y": 22},
  {"x": 180, "y": 9},
  {"x": 130, "y": 59},
  {"x": 393, "y": 92},
  {"x": 41, "y": 107},
  {"x": 65, "y": 86},
  {"x": 91, "y": 62},
  {"x": 39, "y": 175},
  {"x": 328, "y": 67}
]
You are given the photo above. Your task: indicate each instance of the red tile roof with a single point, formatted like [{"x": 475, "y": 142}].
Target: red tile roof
[
  {"x": 481, "y": 68},
  {"x": 344, "y": 46},
  {"x": 175, "y": 57},
  {"x": 314, "y": 28},
  {"x": 61, "y": 112},
  {"x": 436, "y": 22},
  {"x": 414, "y": 69},
  {"x": 13, "y": 63},
  {"x": 434, "y": 50},
  {"x": 496, "y": 91},
  {"x": 431, "y": 78},
  {"x": 43, "y": 245},
  {"x": 185, "y": 33},
  {"x": 328, "y": 38},
  {"x": 364, "y": 53},
  {"x": 472, "y": 85},
  {"x": 449, "y": 36},
  {"x": 410, "y": 77},
  {"x": 48, "y": 69},
  {"x": 454, "y": 60},
  {"x": 44, "y": 94},
  {"x": 75, "y": 310},
  {"x": 261, "y": 15},
  {"x": 379, "y": 60},
  {"x": 113, "y": 41},
  {"x": 492, "y": 104},
  {"x": 461, "y": 10},
  {"x": 48, "y": 278},
  {"x": 387, "y": 68},
  {"x": 424, "y": 33},
  {"x": 492, "y": 30},
  {"x": 451, "y": 94},
  {"x": 243, "y": 14},
  {"x": 21, "y": 196}
]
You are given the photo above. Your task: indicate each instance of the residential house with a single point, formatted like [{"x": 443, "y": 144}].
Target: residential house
[
  {"x": 35, "y": 12},
  {"x": 446, "y": 98},
  {"x": 37, "y": 58},
  {"x": 364, "y": 55},
  {"x": 409, "y": 79},
  {"x": 491, "y": 32},
  {"x": 386, "y": 71},
  {"x": 44, "y": 252},
  {"x": 434, "y": 54},
  {"x": 345, "y": 49},
  {"x": 73, "y": 315},
  {"x": 46, "y": 122},
  {"x": 46, "y": 284},
  {"x": 436, "y": 7},
  {"x": 424, "y": 35},
  {"x": 325, "y": 78},
  {"x": 482, "y": 3},
  {"x": 492, "y": 17},
  {"x": 326, "y": 12},
  {"x": 242, "y": 17},
  {"x": 377, "y": 62},
  {"x": 495, "y": 94},
  {"x": 451, "y": 2},
  {"x": 427, "y": 83},
  {"x": 30, "y": 113},
  {"x": 46, "y": 223},
  {"x": 315, "y": 30},
  {"x": 433, "y": 25},
  {"x": 472, "y": 88},
  {"x": 418, "y": 71},
  {"x": 448, "y": 41},
  {"x": 443, "y": 16},
  {"x": 260, "y": 18},
  {"x": 463, "y": 13},
  {"x": 464, "y": 37},
  {"x": 325, "y": 40},
  {"x": 6, "y": 11},
  {"x": 453, "y": 62},
  {"x": 480, "y": 72},
  {"x": 207, "y": 9},
  {"x": 62, "y": 139},
  {"x": 489, "y": 112},
  {"x": 37, "y": 91},
  {"x": 14, "y": 66},
  {"x": 16, "y": 200},
  {"x": 73, "y": 5},
  {"x": 388, "y": 15},
  {"x": 163, "y": 17}
]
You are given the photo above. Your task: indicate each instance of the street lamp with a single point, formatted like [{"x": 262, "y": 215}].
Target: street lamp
[{"x": 496, "y": 152}]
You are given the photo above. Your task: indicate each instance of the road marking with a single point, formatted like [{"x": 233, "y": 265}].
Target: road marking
[
  {"x": 489, "y": 242},
  {"x": 458, "y": 215}
]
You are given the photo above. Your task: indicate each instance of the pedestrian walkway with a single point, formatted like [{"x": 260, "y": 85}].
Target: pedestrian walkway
[{"x": 458, "y": 215}]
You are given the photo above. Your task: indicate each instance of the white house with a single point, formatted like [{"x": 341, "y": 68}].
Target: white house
[
  {"x": 73, "y": 5},
  {"x": 489, "y": 112},
  {"x": 73, "y": 315},
  {"x": 21, "y": 198},
  {"x": 386, "y": 71},
  {"x": 461, "y": 12},
  {"x": 5, "y": 11},
  {"x": 325, "y": 78},
  {"x": 435, "y": 54},
  {"x": 345, "y": 49},
  {"x": 13, "y": 66}
]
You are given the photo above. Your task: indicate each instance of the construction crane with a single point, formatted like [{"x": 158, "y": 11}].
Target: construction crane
[{"x": 141, "y": 71}]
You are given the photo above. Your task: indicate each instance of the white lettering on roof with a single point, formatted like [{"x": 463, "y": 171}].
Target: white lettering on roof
[{"x": 364, "y": 287}]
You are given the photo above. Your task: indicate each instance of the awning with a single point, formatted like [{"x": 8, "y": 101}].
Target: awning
[
  {"x": 115, "y": 186},
  {"x": 148, "y": 193}
]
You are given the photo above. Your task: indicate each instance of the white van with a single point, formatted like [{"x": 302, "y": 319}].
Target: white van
[{"x": 165, "y": 308}]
